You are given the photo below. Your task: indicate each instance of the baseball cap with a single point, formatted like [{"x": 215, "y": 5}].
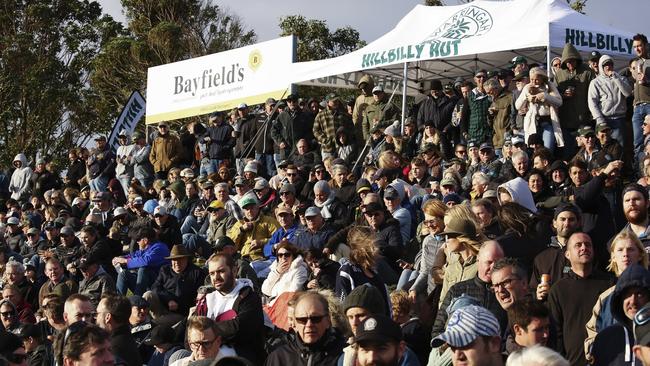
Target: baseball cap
[
  {"x": 518, "y": 60},
  {"x": 271, "y": 101},
  {"x": 119, "y": 211},
  {"x": 436, "y": 85},
  {"x": 378, "y": 89},
  {"x": 287, "y": 187},
  {"x": 452, "y": 197},
  {"x": 261, "y": 183},
  {"x": 480, "y": 72},
  {"x": 67, "y": 231},
  {"x": 503, "y": 74},
  {"x": 600, "y": 127},
  {"x": 521, "y": 76},
  {"x": 292, "y": 97},
  {"x": 29, "y": 330},
  {"x": 594, "y": 56},
  {"x": 187, "y": 173},
  {"x": 567, "y": 207},
  {"x": 518, "y": 139},
  {"x": 465, "y": 325},
  {"x": 33, "y": 231},
  {"x": 472, "y": 143},
  {"x": 13, "y": 221},
  {"x": 282, "y": 208},
  {"x": 240, "y": 181},
  {"x": 251, "y": 166},
  {"x": 373, "y": 207},
  {"x": 208, "y": 184},
  {"x": 137, "y": 200},
  {"x": 87, "y": 261},
  {"x": 390, "y": 193},
  {"x": 585, "y": 131},
  {"x": 242, "y": 106},
  {"x": 486, "y": 146},
  {"x": 215, "y": 205},
  {"x": 139, "y": 301},
  {"x": 100, "y": 138},
  {"x": 312, "y": 211},
  {"x": 378, "y": 329},
  {"x": 160, "y": 335},
  {"x": 447, "y": 182},
  {"x": 160, "y": 211},
  {"x": 247, "y": 200}
]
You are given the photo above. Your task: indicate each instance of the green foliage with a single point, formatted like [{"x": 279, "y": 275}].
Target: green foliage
[
  {"x": 46, "y": 55},
  {"x": 315, "y": 42},
  {"x": 578, "y": 5},
  {"x": 433, "y": 3},
  {"x": 161, "y": 32}
]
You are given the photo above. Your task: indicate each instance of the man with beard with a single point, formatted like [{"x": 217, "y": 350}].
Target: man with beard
[
  {"x": 583, "y": 282},
  {"x": 635, "y": 208},
  {"x": 379, "y": 342},
  {"x": 567, "y": 219},
  {"x": 237, "y": 309}
]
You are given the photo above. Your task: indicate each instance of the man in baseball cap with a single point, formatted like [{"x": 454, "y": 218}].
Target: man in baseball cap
[
  {"x": 379, "y": 342},
  {"x": 642, "y": 335},
  {"x": 472, "y": 333}
]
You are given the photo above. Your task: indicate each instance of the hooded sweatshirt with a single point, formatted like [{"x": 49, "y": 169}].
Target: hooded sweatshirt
[
  {"x": 518, "y": 189},
  {"x": 219, "y": 303},
  {"x": 607, "y": 94},
  {"x": 574, "y": 111},
  {"x": 21, "y": 177}
]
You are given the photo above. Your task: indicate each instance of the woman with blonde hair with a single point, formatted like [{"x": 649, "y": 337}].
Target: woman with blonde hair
[
  {"x": 360, "y": 268},
  {"x": 626, "y": 249},
  {"x": 462, "y": 242},
  {"x": 542, "y": 100}
]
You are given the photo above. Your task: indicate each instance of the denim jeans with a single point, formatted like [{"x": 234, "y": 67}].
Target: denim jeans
[
  {"x": 267, "y": 161},
  {"x": 640, "y": 111},
  {"x": 262, "y": 267},
  {"x": 209, "y": 166},
  {"x": 405, "y": 278},
  {"x": 570, "y": 146},
  {"x": 548, "y": 136},
  {"x": 616, "y": 124},
  {"x": 137, "y": 280},
  {"x": 195, "y": 243},
  {"x": 125, "y": 182},
  {"x": 98, "y": 184}
]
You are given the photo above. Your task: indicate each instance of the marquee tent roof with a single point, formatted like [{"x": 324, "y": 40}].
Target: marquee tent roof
[{"x": 450, "y": 41}]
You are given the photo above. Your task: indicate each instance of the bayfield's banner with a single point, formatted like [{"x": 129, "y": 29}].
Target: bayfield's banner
[
  {"x": 128, "y": 119},
  {"x": 219, "y": 81}
]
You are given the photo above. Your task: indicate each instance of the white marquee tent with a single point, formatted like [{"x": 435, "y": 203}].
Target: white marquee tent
[{"x": 450, "y": 41}]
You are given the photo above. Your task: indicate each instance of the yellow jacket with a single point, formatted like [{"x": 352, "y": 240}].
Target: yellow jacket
[{"x": 261, "y": 231}]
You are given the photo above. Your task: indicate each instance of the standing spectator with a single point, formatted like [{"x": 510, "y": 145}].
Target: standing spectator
[
  {"x": 220, "y": 143},
  {"x": 264, "y": 143},
  {"x": 142, "y": 168},
  {"x": 584, "y": 283},
  {"x": 292, "y": 125},
  {"x": 100, "y": 165},
  {"x": 573, "y": 83},
  {"x": 641, "y": 76},
  {"x": 166, "y": 151},
  {"x": 499, "y": 111},
  {"x": 20, "y": 183},
  {"x": 326, "y": 124},
  {"x": 478, "y": 103},
  {"x": 365, "y": 85},
  {"x": 244, "y": 131},
  {"x": 113, "y": 316},
  {"x": 436, "y": 108},
  {"x": 76, "y": 170},
  {"x": 607, "y": 97},
  {"x": 541, "y": 100},
  {"x": 378, "y": 114},
  {"x": 124, "y": 160}
]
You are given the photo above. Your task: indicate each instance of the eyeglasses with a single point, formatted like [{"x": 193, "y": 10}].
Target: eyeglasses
[
  {"x": 315, "y": 319},
  {"x": 507, "y": 283},
  {"x": 198, "y": 344},
  {"x": 284, "y": 255}
]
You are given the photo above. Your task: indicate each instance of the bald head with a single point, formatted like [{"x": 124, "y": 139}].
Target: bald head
[{"x": 489, "y": 253}]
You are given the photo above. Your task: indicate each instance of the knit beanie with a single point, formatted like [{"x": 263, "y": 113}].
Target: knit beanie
[{"x": 365, "y": 296}]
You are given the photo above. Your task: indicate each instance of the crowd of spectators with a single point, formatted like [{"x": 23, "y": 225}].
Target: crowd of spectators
[{"x": 505, "y": 222}]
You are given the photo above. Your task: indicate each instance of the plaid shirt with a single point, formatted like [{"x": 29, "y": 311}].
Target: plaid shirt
[
  {"x": 325, "y": 126},
  {"x": 479, "y": 129}
]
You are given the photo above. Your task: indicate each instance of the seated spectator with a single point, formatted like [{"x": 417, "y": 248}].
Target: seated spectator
[
  {"x": 415, "y": 333},
  {"x": 96, "y": 282},
  {"x": 173, "y": 292},
  {"x": 23, "y": 309},
  {"x": 39, "y": 351},
  {"x": 57, "y": 283},
  {"x": 113, "y": 315},
  {"x": 286, "y": 231},
  {"x": 528, "y": 325},
  {"x": 287, "y": 274},
  {"x": 322, "y": 274},
  {"x": 538, "y": 355},
  {"x": 162, "y": 338},
  {"x": 78, "y": 308},
  {"x": 9, "y": 316},
  {"x": 380, "y": 340},
  {"x": 332, "y": 209},
  {"x": 315, "y": 234},
  {"x": 141, "y": 325},
  {"x": 315, "y": 340},
  {"x": 15, "y": 275},
  {"x": 139, "y": 270}
]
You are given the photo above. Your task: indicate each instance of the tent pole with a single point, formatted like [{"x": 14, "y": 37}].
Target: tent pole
[
  {"x": 548, "y": 59},
  {"x": 405, "y": 81}
]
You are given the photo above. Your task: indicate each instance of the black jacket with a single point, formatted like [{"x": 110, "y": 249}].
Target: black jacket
[
  {"x": 124, "y": 346},
  {"x": 325, "y": 352},
  {"x": 389, "y": 241},
  {"x": 550, "y": 261},
  {"x": 221, "y": 141},
  {"x": 326, "y": 277},
  {"x": 263, "y": 128},
  {"x": 246, "y": 333},
  {"x": 290, "y": 127},
  {"x": 180, "y": 287},
  {"x": 438, "y": 110},
  {"x": 41, "y": 356},
  {"x": 170, "y": 232}
]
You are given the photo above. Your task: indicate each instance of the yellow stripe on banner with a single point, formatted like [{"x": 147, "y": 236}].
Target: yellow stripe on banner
[{"x": 213, "y": 107}]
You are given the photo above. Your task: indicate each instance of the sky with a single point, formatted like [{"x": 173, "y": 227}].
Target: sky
[{"x": 372, "y": 18}]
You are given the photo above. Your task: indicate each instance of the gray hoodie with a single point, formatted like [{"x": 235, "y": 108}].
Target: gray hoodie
[
  {"x": 606, "y": 96},
  {"x": 20, "y": 179}
]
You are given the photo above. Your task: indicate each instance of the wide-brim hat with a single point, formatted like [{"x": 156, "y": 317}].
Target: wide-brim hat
[{"x": 178, "y": 252}]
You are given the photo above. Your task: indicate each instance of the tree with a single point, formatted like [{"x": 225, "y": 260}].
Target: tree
[
  {"x": 46, "y": 56},
  {"x": 578, "y": 5},
  {"x": 161, "y": 32},
  {"x": 315, "y": 42},
  {"x": 433, "y": 3}
]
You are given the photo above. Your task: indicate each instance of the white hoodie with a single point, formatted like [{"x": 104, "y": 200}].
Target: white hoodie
[
  {"x": 219, "y": 303},
  {"x": 21, "y": 177},
  {"x": 520, "y": 193}
]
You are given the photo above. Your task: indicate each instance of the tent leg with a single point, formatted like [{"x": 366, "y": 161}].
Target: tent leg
[
  {"x": 548, "y": 60},
  {"x": 405, "y": 81}
]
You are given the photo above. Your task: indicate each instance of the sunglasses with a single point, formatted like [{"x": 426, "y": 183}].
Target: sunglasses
[
  {"x": 284, "y": 255},
  {"x": 285, "y": 193},
  {"x": 291, "y": 174},
  {"x": 315, "y": 319},
  {"x": 371, "y": 214},
  {"x": 461, "y": 151}
]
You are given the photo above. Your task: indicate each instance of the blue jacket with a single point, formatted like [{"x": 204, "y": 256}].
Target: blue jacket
[
  {"x": 152, "y": 256},
  {"x": 276, "y": 237},
  {"x": 305, "y": 239}
]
